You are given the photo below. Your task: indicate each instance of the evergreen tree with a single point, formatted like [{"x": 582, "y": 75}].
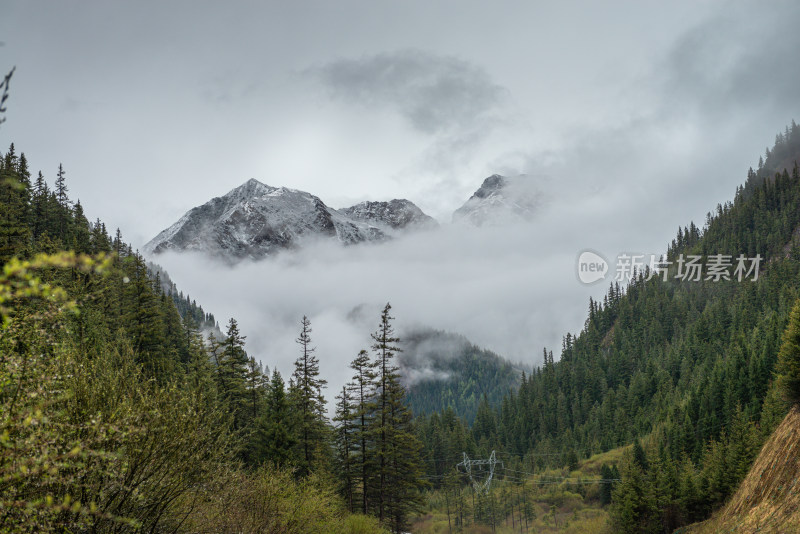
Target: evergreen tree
[
  {"x": 41, "y": 193},
  {"x": 307, "y": 399},
  {"x": 63, "y": 202},
  {"x": 362, "y": 390},
  {"x": 398, "y": 469},
  {"x": 232, "y": 375},
  {"x": 788, "y": 367},
  {"x": 274, "y": 432},
  {"x": 24, "y": 178},
  {"x": 257, "y": 383},
  {"x": 61, "y": 187},
  {"x": 606, "y": 488},
  {"x": 14, "y": 232},
  {"x": 634, "y": 506},
  {"x": 345, "y": 433},
  {"x": 142, "y": 318}
]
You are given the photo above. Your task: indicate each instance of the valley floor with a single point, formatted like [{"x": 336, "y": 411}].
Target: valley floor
[{"x": 566, "y": 507}]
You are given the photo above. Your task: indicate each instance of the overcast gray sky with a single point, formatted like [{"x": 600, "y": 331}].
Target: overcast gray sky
[{"x": 633, "y": 117}]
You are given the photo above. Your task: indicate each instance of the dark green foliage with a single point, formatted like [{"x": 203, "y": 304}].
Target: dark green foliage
[
  {"x": 789, "y": 358},
  {"x": 484, "y": 429},
  {"x": 463, "y": 374},
  {"x": 345, "y": 440},
  {"x": 232, "y": 373},
  {"x": 445, "y": 438},
  {"x": 305, "y": 393},
  {"x": 378, "y": 452},
  {"x": 783, "y": 155},
  {"x": 275, "y": 436},
  {"x": 127, "y": 418},
  {"x": 362, "y": 391},
  {"x": 14, "y": 199},
  {"x": 397, "y": 468},
  {"x": 184, "y": 303},
  {"x": 635, "y": 503},
  {"x": 687, "y": 365},
  {"x": 607, "y": 473}
]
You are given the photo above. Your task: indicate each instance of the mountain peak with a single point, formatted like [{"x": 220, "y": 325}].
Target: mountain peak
[
  {"x": 500, "y": 200},
  {"x": 396, "y": 214},
  {"x": 493, "y": 183},
  {"x": 255, "y": 220}
]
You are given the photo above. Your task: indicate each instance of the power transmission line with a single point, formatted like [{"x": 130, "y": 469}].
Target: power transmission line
[{"x": 481, "y": 486}]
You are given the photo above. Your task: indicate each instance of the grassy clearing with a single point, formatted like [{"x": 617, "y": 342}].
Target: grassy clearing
[{"x": 553, "y": 500}]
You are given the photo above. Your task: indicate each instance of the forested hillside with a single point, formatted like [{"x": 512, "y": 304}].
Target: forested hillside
[
  {"x": 684, "y": 365},
  {"x": 118, "y": 416},
  {"x": 444, "y": 370},
  {"x": 185, "y": 304}
]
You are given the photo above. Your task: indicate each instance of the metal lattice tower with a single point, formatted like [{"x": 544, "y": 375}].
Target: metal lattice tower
[{"x": 478, "y": 485}]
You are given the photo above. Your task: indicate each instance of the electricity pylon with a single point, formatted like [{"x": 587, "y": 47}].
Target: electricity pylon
[{"x": 480, "y": 486}]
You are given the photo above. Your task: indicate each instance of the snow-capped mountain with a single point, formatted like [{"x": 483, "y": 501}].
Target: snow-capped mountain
[
  {"x": 255, "y": 220},
  {"x": 500, "y": 200},
  {"x": 396, "y": 214}
]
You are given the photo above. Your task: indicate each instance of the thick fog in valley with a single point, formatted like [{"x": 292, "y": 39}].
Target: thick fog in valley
[
  {"x": 512, "y": 288},
  {"x": 622, "y": 137}
]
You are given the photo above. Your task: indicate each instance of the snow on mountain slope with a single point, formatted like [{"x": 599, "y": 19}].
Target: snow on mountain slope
[
  {"x": 500, "y": 200},
  {"x": 255, "y": 220},
  {"x": 395, "y": 214}
]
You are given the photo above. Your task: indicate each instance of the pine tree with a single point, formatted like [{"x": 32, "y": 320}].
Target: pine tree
[
  {"x": 257, "y": 383},
  {"x": 484, "y": 429},
  {"x": 606, "y": 487},
  {"x": 634, "y": 506},
  {"x": 345, "y": 433},
  {"x": 24, "y": 178},
  {"x": 788, "y": 367},
  {"x": 14, "y": 232},
  {"x": 398, "y": 467},
  {"x": 142, "y": 318},
  {"x": 63, "y": 202},
  {"x": 274, "y": 433},
  {"x": 362, "y": 390},
  {"x": 61, "y": 187},
  {"x": 308, "y": 401},
  {"x": 81, "y": 231},
  {"x": 232, "y": 375},
  {"x": 40, "y": 195}
]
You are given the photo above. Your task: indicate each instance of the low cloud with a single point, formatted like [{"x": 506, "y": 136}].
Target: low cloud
[
  {"x": 412, "y": 376},
  {"x": 434, "y": 93},
  {"x": 746, "y": 56},
  {"x": 701, "y": 117},
  {"x": 508, "y": 289}
]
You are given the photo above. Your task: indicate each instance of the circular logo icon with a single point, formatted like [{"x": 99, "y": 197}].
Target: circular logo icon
[{"x": 591, "y": 267}]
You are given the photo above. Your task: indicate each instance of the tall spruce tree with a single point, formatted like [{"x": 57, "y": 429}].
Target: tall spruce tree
[
  {"x": 345, "y": 420},
  {"x": 634, "y": 506},
  {"x": 232, "y": 375},
  {"x": 63, "y": 202},
  {"x": 398, "y": 451},
  {"x": 362, "y": 389},
  {"x": 40, "y": 195},
  {"x": 14, "y": 232},
  {"x": 306, "y": 395},
  {"x": 788, "y": 367},
  {"x": 275, "y": 436},
  {"x": 142, "y": 319}
]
